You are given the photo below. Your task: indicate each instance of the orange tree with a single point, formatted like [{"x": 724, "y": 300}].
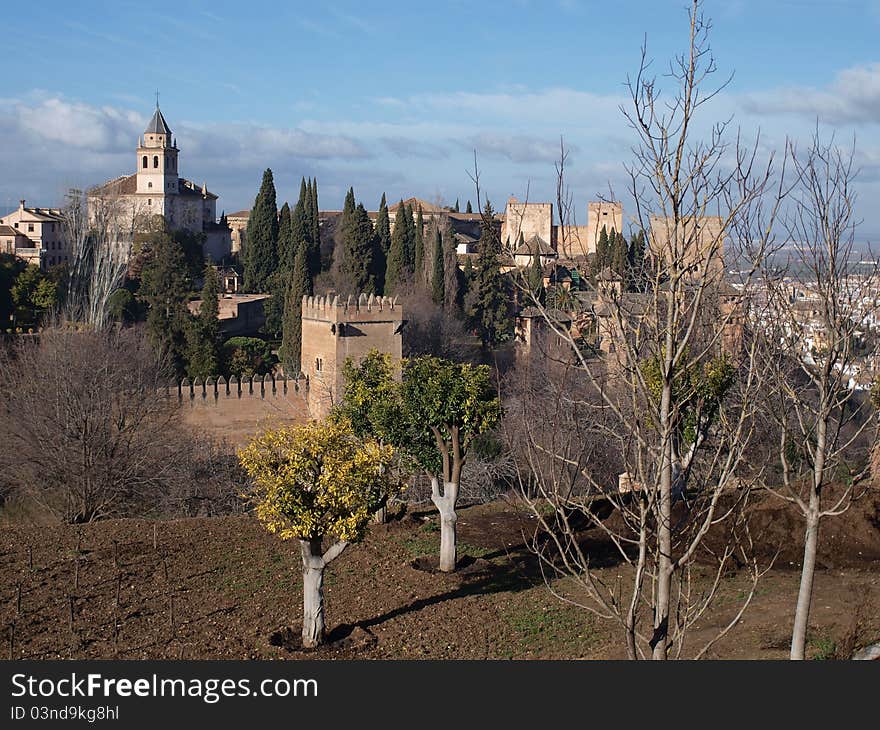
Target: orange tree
[{"x": 319, "y": 484}]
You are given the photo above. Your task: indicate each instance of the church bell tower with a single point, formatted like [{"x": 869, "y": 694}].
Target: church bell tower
[{"x": 157, "y": 162}]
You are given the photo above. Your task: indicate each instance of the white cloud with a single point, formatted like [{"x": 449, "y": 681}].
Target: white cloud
[{"x": 852, "y": 97}]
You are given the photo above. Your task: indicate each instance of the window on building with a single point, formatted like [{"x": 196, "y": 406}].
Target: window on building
[
  {"x": 53, "y": 228},
  {"x": 319, "y": 363},
  {"x": 144, "y": 162},
  {"x": 30, "y": 227},
  {"x": 149, "y": 201},
  {"x": 155, "y": 160},
  {"x": 149, "y": 184}
]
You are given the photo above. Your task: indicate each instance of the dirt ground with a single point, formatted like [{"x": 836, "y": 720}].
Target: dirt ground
[{"x": 224, "y": 588}]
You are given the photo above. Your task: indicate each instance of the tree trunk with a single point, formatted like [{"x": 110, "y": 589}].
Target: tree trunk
[
  {"x": 811, "y": 543},
  {"x": 805, "y": 592},
  {"x": 448, "y": 539},
  {"x": 313, "y": 593}
]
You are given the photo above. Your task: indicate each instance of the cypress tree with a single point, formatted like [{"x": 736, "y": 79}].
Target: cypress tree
[
  {"x": 490, "y": 300},
  {"x": 438, "y": 275},
  {"x": 619, "y": 254},
  {"x": 299, "y": 285},
  {"x": 456, "y": 206},
  {"x": 602, "y": 251},
  {"x": 261, "y": 253},
  {"x": 314, "y": 227},
  {"x": 381, "y": 245},
  {"x": 285, "y": 239},
  {"x": 419, "y": 263},
  {"x": 469, "y": 209},
  {"x": 409, "y": 250},
  {"x": 395, "y": 267},
  {"x": 636, "y": 261},
  {"x": 298, "y": 227},
  {"x": 356, "y": 269},
  {"x": 455, "y": 279}
]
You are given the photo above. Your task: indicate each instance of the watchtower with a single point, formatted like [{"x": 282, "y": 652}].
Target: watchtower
[{"x": 334, "y": 330}]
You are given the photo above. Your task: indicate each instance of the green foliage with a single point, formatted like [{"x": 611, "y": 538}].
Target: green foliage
[
  {"x": 381, "y": 245},
  {"x": 122, "y": 306},
  {"x": 261, "y": 250},
  {"x": 489, "y": 298},
  {"x": 696, "y": 393},
  {"x": 602, "y": 251},
  {"x": 286, "y": 248},
  {"x": 433, "y": 393},
  {"x": 165, "y": 289},
  {"x": 395, "y": 269},
  {"x": 535, "y": 279},
  {"x": 245, "y": 357},
  {"x": 356, "y": 270},
  {"x": 469, "y": 209},
  {"x": 444, "y": 395},
  {"x": 273, "y": 307},
  {"x": 203, "y": 347},
  {"x": 317, "y": 480},
  {"x": 31, "y": 289},
  {"x": 636, "y": 278},
  {"x": 300, "y": 285},
  {"x": 371, "y": 398},
  {"x": 419, "y": 249},
  {"x": 438, "y": 274}
]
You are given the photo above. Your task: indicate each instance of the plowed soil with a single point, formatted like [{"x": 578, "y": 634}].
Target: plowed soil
[{"x": 224, "y": 588}]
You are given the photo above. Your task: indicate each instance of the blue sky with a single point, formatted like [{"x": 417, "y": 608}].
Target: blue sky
[{"x": 392, "y": 96}]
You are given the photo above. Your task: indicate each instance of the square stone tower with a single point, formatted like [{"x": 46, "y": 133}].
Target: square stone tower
[{"x": 334, "y": 330}]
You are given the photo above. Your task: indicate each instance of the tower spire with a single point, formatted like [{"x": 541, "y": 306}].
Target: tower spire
[{"x": 157, "y": 99}]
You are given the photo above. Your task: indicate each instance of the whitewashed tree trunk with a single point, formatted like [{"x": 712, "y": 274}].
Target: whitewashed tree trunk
[
  {"x": 445, "y": 504},
  {"x": 314, "y": 563}
]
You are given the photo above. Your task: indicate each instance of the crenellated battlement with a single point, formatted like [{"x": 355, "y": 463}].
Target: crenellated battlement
[
  {"x": 258, "y": 385},
  {"x": 234, "y": 410},
  {"x": 351, "y": 308}
]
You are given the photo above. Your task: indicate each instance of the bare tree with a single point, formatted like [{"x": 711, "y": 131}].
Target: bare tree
[
  {"x": 86, "y": 432},
  {"x": 670, "y": 385},
  {"x": 100, "y": 230},
  {"x": 819, "y": 307}
]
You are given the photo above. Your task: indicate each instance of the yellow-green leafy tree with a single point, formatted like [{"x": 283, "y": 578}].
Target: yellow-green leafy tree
[{"x": 319, "y": 484}]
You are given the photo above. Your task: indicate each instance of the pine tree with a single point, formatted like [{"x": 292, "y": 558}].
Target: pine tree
[
  {"x": 419, "y": 262},
  {"x": 261, "y": 252},
  {"x": 286, "y": 250},
  {"x": 489, "y": 305},
  {"x": 395, "y": 267},
  {"x": 469, "y": 209},
  {"x": 456, "y": 285},
  {"x": 438, "y": 274},
  {"x": 356, "y": 270},
  {"x": 299, "y": 285},
  {"x": 381, "y": 245}
]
